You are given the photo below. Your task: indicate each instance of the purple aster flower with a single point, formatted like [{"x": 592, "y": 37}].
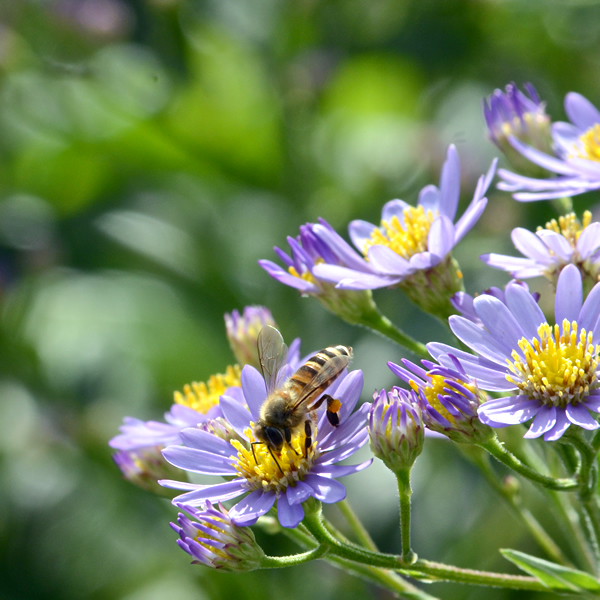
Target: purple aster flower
[
  {"x": 576, "y": 159},
  {"x": 550, "y": 371},
  {"x": 513, "y": 113},
  {"x": 396, "y": 429},
  {"x": 242, "y": 332},
  {"x": 410, "y": 239},
  {"x": 463, "y": 302},
  {"x": 448, "y": 398},
  {"x": 212, "y": 539},
  {"x": 252, "y": 471},
  {"x": 549, "y": 250},
  {"x": 318, "y": 244}
]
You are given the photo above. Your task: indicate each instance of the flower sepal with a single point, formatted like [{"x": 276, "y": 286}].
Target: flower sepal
[{"x": 432, "y": 289}]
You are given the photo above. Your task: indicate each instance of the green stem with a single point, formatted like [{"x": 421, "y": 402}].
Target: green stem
[
  {"x": 379, "y": 323},
  {"x": 499, "y": 452},
  {"x": 278, "y": 562},
  {"x": 511, "y": 496},
  {"x": 356, "y": 525},
  {"x": 383, "y": 577},
  {"x": 314, "y": 523},
  {"x": 405, "y": 493}
]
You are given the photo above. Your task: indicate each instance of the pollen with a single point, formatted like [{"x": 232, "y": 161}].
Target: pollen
[
  {"x": 556, "y": 368},
  {"x": 569, "y": 226},
  {"x": 405, "y": 239},
  {"x": 589, "y": 144},
  {"x": 203, "y": 396},
  {"x": 270, "y": 470}
]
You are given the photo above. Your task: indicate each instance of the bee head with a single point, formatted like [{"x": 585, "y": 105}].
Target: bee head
[{"x": 272, "y": 436}]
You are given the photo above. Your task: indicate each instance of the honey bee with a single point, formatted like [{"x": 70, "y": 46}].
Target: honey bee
[{"x": 289, "y": 403}]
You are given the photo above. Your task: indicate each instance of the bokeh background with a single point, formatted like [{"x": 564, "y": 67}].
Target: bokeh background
[{"x": 151, "y": 151}]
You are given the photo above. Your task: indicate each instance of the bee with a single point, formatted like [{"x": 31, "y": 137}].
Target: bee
[{"x": 289, "y": 403}]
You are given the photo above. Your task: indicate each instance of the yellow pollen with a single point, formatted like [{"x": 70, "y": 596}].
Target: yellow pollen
[
  {"x": 441, "y": 386},
  {"x": 569, "y": 226},
  {"x": 589, "y": 144},
  {"x": 263, "y": 473},
  {"x": 558, "y": 369},
  {"x": 202, "y": 536},
  {"x": 203, "y": 396},
  {"x": 405, "y": 239},
  {"x": 307, "y": 275}
]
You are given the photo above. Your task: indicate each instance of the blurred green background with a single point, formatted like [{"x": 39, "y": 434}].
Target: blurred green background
[{"x": 151, "y": 151}]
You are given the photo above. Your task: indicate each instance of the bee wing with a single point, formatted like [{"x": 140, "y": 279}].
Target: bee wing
[
  {"x": 326, "y": 375},
  {"x": 272, "y": 354}
]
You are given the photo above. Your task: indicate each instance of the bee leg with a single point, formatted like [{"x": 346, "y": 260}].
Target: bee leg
[
  {"x": 308, "y": 433},
  {"x": 273, "y": 457},
  {"x": 333, "y": 407},
  {"x": 270, "y": 452}
]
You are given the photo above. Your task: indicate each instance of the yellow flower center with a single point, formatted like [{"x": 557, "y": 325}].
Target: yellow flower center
[
  {"x": 589, "y": 144},
  {"x": 569, "y": 226},
  {"x": 407, "y": 238},
  {"x": 203, "y": 396},
  {"x": 440, "y": 386},
  {"x": 558, "y": 369},
  {"x": 268, "y": 470}
]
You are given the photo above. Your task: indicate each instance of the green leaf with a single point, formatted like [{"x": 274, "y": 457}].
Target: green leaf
[{"x": 556, "y": 577}]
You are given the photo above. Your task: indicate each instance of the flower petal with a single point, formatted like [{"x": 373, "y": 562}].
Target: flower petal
[
  {"x": 569, "y": 295},
  {"x": 214, "y": 493},
  {"x": 561, "y": 425},
  {"x": 511, "y": 410},
  {"x": 298, "y": 493},
  {"x": 581, "y": 111},
  {"x": 580, "y": 415},
  {"x": 254, "y": 505},
  {"x": 202, "y": 440},
  {"x": 289, "y": 515},
  {"x": 237, "y": 415},
  {"x": 325, "y": 489},
  {"x": 254, "y": 388},
  {"x": 544, "y": 421},
  {"x": 198, "y": 461}
]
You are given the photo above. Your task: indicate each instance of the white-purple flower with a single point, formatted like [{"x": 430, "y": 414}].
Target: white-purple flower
[
  {"x": 576, "y": 162},
  {"x": 549, "y": 371},
  {"x": 410, "y": 239},
  {"x": 549, "y": 250},
  {"x": 254, "y": 473},
  {"x": 513, "y": 113}
]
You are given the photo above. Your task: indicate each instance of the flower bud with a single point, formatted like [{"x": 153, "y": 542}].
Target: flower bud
[
  {"x": 212, "y": 539},
  {"x": 396, "y": 429},
  {"x": 243, "y": 330}
]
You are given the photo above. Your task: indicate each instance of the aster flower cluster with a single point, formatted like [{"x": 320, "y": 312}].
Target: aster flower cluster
[{"x": 267, "y": 442}]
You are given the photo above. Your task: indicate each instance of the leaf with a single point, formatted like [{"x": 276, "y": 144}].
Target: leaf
[{"x": 556, "y": 577}]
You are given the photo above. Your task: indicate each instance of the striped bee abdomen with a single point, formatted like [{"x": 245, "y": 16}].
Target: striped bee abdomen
[{"x": 320, "y": 371}]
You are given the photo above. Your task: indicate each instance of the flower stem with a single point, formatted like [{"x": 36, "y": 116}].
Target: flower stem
[
  {"x": 563, "y": 205},
  {"x": 379, "y": 323},
  {"x": 356, "y": 525},
  {"x": 349, "y": 552},
  {"x": 499, "y": 452},
  {"x": 382, "y": 577},
  {"x": 405, "y": 492},
  {"x": 278, "y": 562}
]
